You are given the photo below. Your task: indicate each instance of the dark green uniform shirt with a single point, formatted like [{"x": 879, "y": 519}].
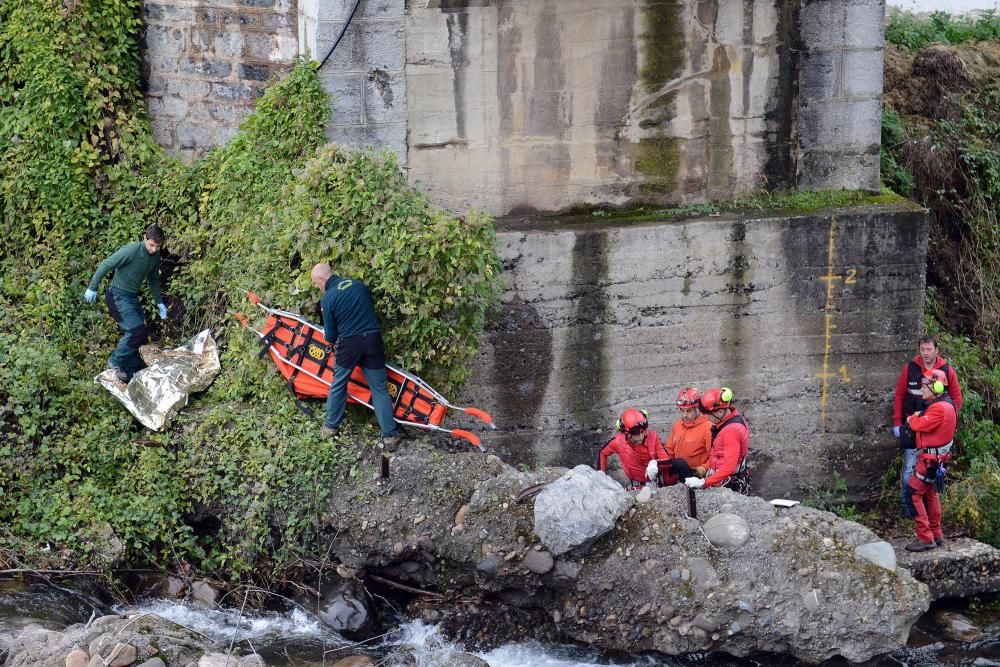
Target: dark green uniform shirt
[
  {"x": 347, "y": 309},
  {"x": 132, "y": 264}
]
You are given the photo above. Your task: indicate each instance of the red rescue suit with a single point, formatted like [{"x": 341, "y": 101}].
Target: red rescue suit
[
  {"x": 730, "y": 445},
  {"x": 634, "y": 459},
  {"x": 935, "y": 431},
  {"x": 907, "y": 399}
]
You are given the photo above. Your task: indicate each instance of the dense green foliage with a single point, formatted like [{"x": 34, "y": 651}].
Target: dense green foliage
[
  {"x": 237, "y": 484},
  {"x": 915, "y": 32}
]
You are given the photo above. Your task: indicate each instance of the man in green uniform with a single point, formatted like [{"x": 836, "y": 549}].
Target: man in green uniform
[
  {"x": 132, "y": 264},
  {"x": 349, "y": 321}
]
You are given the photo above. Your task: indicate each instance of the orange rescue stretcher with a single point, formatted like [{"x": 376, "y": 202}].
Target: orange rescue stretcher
[{"x": 305, "y": 358}]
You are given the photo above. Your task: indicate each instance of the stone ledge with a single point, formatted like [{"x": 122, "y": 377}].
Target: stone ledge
[{"x": 962, "y": 568}]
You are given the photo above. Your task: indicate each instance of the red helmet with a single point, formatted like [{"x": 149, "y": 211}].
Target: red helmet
[
  {"x": 688, "y": 398},
  {"x": 715, "y": 399},
  {"x": 633, "y": 421}
]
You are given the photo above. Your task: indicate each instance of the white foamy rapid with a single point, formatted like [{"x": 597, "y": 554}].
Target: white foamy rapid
[
  {"x": 223, "y": 624},
  {"x": 426, "y": 645}
]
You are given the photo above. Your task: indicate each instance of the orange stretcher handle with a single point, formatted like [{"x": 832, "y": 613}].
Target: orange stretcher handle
[
  {"x": 481, "y": 414},
  {"x": 242, "y": 319},
  {"x": 466, "y": 435}
]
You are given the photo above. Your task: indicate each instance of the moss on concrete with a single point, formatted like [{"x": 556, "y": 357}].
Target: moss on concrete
[
  {"x": 659, "y": 156},
  {"x": 663, "y": 48},
  {"x": 792, "y": 203}
]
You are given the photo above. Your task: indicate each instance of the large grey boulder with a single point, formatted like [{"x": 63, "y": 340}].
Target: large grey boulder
[
  {"x": 578, "y": 508},
  {"x": 756, "y": 579}
]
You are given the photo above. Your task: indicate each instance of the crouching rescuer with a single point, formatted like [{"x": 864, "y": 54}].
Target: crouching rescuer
[
  {"x": 934, "y": 428},
  {"x": 727, "y": 462},
  {"x": 635, "y": 449}
]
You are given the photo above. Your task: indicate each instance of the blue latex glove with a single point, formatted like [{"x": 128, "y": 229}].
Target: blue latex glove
[
  {"x": 163, "y": 310},
  {"x": 89, "y": 296},
  {"x": 895, "y": 431}
]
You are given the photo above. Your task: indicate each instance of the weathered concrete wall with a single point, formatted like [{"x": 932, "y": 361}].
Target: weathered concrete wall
[
  {"x": 206, "y": 63},
  {"x": 808, "y": 318},
  {"x": 507, "y": 105},
  {"x": 548, "y": 105}
]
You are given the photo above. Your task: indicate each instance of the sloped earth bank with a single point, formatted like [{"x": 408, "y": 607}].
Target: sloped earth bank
[{"x": 450, "y": 524}]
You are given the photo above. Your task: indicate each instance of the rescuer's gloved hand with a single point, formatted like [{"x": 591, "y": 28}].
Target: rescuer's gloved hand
[
  {"x": 651, "y": 470},
  {"x": 163, "y": 310},
  {"x": 694, "y": 483},
  {"x": 89, "y": 296},
  {"x": 895, "y": 431}
]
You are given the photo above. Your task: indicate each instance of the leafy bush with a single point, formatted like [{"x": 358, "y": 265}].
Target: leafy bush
[
  {"x": 237, "y": 487},
  {"x": 915, "y": 32},
  {"x": 894, "y": 175},
  {"x": 972, "y": 503}
]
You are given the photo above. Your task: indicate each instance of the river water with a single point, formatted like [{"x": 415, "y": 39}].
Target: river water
[{"x": 297, "y": 638}]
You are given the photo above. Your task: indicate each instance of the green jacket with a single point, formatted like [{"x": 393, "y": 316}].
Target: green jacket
[{"x": 132, "y": 264}]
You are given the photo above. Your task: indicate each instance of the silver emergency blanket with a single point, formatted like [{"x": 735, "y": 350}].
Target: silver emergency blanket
[{"x": 158, "y": 392}]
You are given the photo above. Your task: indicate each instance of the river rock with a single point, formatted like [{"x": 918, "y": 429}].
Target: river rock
[
  {"x": 77, "y": 658},
  {"x": 957, "y": 627},
  {"x": 204, "y": 594},
  {"x": 574, "y": 511},
  {"x": 343, "y": 608},
  {"x": 121, "y": 655},
  {"x": 252, "y": 660},
  {"x": 354, "y": 661},
  {"x": 152, "y": 638},
  {"x": 780, "y": 590},
  {"x": 727, "y": 530},
  {"x": 217, "y": 660},
  {"x": 460, "y": 659},
  {"x": 539, "y": 562},
  {"x": 153, "y": 662},
  {"x": 172, "y": 587},
  {"x": 881, "y": 553}
]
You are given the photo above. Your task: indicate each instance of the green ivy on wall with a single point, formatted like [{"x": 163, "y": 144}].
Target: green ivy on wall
[{"x": 237, "y": 486}]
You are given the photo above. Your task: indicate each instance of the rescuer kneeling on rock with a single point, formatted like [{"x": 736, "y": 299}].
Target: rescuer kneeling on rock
[
  {"x": 935, "y": 433},
  {"x": 636, "y": 447},
  {"x": 727, "y": 462}
]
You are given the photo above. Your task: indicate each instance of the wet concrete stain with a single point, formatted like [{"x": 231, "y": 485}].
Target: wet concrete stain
[
  {"x": 546, "y": 113},
  {"x": 741, "y": 288},
  {"x": 780, "y": 116},
  {"x": 507, "y": 84},
  {"x": 720, "y": 149},
  {"x": 748, "y": 57},
  {"x": 458, "y": 28},
  {"x": 619, "y": 66},
  {"x": 584, "y": 385},
  {"x": 522, "y": 364}
]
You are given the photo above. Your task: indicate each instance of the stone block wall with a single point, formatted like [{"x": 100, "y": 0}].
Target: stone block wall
[
  {"x": 808, "y": 318},
  {"x": 206, "y": 62},
  {"x": 365, "y": 74}
]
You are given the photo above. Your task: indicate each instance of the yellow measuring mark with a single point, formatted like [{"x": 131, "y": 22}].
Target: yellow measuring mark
[{"x": 830, "y": 278}]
